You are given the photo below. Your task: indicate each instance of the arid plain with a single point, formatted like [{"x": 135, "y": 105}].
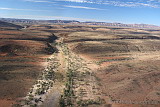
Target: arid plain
[{"x": 98, "y": 66}]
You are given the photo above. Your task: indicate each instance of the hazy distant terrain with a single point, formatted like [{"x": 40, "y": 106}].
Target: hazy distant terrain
[
  {"x": 74, "y": 22},
  {"x": 93, "y": 65}
]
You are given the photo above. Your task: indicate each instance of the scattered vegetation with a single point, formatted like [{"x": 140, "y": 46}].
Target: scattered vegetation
[
  {"x": 78, "y": 75},
  {"x": 42, "y": 85},
  {"x": 110, "y": 60},
  {"x": 83, "y": 103}
]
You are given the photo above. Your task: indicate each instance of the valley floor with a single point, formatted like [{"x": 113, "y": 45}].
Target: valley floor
[{"x": 79, "y": 66}]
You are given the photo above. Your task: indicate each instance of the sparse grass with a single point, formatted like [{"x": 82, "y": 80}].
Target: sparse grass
[
  {"x": 77, "y": 75},
  {"x": 110, "y": 60},
  {"x": 106, "y": 42},
  {"x": 84, "y": 103},
  {"x": 59, "y": 76},
  {"x": 42, "y": 85}
]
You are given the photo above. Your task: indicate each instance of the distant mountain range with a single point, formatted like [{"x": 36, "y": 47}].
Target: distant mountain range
[{"x": 74, "y": 22}]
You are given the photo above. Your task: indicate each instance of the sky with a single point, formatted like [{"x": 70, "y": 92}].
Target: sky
[{"x": 120, "y": 11}]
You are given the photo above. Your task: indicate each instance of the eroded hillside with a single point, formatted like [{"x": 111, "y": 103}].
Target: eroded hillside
[
  {"x": 93, "y": 66},
  {"x": 23, "y": 56},
  {"x": 127, "y": 59}
]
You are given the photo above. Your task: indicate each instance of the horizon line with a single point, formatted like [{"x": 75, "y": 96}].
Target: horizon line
[{"x": 77, "y": 20}]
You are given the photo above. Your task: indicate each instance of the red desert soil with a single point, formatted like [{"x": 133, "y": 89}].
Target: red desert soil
[
  {"x": 23, "y": 56},
  {"x": 136, "y": 77},
  {"x": 6, "y": 103},
  {"x": 10, "y": 32},
  {"x": 136, "y": 84}
]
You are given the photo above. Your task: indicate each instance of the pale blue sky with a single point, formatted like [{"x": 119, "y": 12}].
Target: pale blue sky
[{"x": 123, "y": 11}]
